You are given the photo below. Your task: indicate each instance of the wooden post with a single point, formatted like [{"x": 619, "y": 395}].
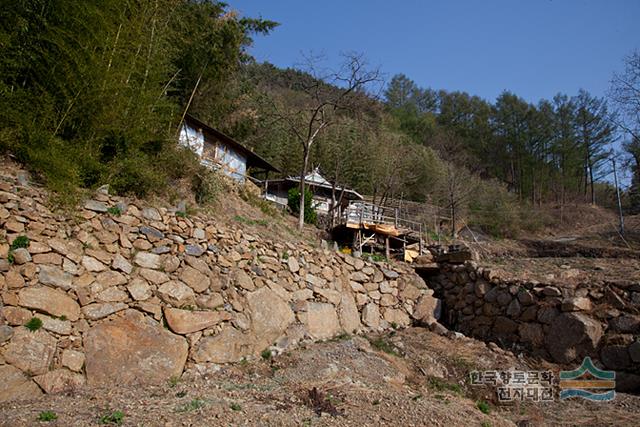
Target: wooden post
[{"x": 387, "y": 249}]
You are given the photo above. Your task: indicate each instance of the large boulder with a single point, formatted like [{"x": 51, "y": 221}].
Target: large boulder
[
  {"x": 427, "y": 310},
  {"x": 572, "y": 336},
  {"x": 397, "y": 317},
  {"x": 133, "y": 349},
  {"x": 371, "y": 315},
  {"x": 16, "y": 385},
  {"x": 60, "y": 380},
  {"x": 230, "y": 345},
  {"x": 270, "y": 315},
  {"x": 321, "y": 320},
  {"x": 615, "y": 357},
  {"x": 31, "y": 352},
  {"x": 348, "y": 313}
]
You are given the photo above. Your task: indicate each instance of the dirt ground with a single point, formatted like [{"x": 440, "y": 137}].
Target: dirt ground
[{"x": 411, "y": 378}]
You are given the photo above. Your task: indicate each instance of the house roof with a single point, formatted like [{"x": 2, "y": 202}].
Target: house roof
[
  {"x": 253, "y": 160},
  {"x": 315, "y": 179}
]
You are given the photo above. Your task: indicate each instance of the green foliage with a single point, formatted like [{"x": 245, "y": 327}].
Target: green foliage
[
  {"x": 483, "y": 407},
  {"x": 114, "y": 210},
  {"x": 266, "y": 354},
  {"x": 19, "y": 242},
  {"x": 384, "y": 345},
  {"x": 374, "y": 257},
  {"x": 494, "y": 210},
  {"x": 206, "y": 185},
  {"x": 115, "y": 417},
  {"x": 438, "y": 384},
  {"x": 47, "y": 416},
  {"x": 265, "y": 206},
  {"x": 173, "y": 381},
  {"x": 235, "y": 407},
  {"x": 342, "y": 337},
  {"x": 93, "y": 92},
  {"x": 193, "y": 405},
  {"x": 293, "y": 201},
  {"x": 33, "y": 324}
]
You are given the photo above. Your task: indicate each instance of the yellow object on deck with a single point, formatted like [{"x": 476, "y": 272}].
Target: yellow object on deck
[{"x": 410, "y": 255}]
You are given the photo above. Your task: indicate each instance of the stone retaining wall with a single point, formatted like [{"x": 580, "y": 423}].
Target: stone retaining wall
[
  {"x": 127, "y": 293},
  {"x": 562, "y": 324}
]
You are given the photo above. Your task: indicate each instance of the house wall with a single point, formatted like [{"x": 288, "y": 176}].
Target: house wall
[
  {"x": 214, "y": 154},
  {"x": 277, "y": 195},
  {"x": 192, "y": 138},
  {"x": 233, "y": 163},
  {"x": 281, "y": 196}
]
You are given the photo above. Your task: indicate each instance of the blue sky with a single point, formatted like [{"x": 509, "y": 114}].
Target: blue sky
[{"x": 533, "y": 48}]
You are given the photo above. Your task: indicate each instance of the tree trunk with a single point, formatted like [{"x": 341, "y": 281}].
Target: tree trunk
[
  {"x": 303, "y": 173},
  {"x": 593, "y": 193},
  {"x": 453, "y": 217}
]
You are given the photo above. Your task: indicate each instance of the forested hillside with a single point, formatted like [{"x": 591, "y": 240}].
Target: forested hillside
[
  {"x": 94, "y": 93},
  {"x": 495, "y": 161}
]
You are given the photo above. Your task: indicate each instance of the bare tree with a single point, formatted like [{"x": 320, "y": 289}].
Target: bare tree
[
  {"x": 325, "y": 95},
  {"x": 456, "y": 183},
  {"x": 394, "y": 166},
  {"x": 625, "y": 93}
]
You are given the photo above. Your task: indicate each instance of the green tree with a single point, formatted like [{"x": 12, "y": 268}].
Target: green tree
[
  {"x": 293, "y": 200},
  {"x": 595, "y": 133},
  {"x": 92, "y": 92}
]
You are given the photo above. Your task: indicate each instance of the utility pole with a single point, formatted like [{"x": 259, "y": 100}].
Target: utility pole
[{"x": 615, "y": 179}]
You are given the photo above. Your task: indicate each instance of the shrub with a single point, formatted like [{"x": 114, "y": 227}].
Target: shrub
[
  {"x": 235, "y": 407},
  {"x": 384, "y": 345},
  {"x": 206, "y": 185},
  {"x": 47, "y": 416},
  {"x": 266, "y": 354},
  {"x": 483, "y": 406},
  {"x": 19, "y": 242},
  {"x": 114, "y": 210},
  {"x": 33, "y": 324},
  {"x": 114, "y": 417},
  {"x": 265, "y": 206},
  {"x": 194, "y": 405},
  {"x": 439, "y": 384},
  {"x": 293, "y": 201},
  {"x": 173, "y": 381}
]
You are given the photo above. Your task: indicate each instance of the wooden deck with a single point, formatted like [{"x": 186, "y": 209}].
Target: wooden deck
[{"x": 372, "y": 220}]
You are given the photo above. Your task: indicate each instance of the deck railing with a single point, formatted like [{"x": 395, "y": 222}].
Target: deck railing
[{"x": 360, "y": 213}]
